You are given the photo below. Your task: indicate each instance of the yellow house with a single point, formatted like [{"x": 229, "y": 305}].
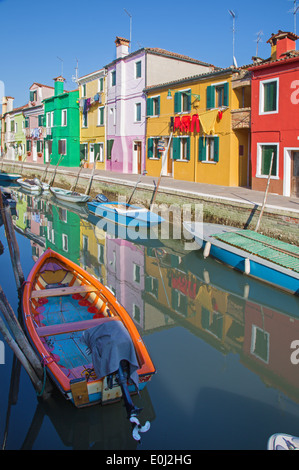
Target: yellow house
[
  {"x": 92, "y": 118},
  {"x": 198, "y": 128}
]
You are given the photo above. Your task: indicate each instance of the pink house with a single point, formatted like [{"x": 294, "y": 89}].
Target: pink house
[
  {"x": 35, "y": 127},
  {"x": 127, "y": 77}
]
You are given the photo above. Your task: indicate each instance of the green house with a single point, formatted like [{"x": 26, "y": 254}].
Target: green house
[{"x": 61, "y": 119}]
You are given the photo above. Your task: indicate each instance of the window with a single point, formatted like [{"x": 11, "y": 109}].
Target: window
[
  {"x": 136, "y": 273},
  {"x": 113, "y": 116},
  {"x": 152, "y": 285},
  {"x": 260, "y": 343},
  {"x": 16, "y": 127},
  {"x": 113, "y": 78},
  {"x": 153, "y": 106},
  {"x": 153, "y": 148},
  {"x": 181, "y": 148},
  {"x": 33, "y": 95},
  {"x": 83, "y": 90},
  {"x": 84, "y": 120},
  {"x": 269, "y": 96},
  {"x": 41, "y": 120},
  {"x": 28, "y": 145},
  {"x": 64, "y": 117},
  {"x": 264, "y": 156},
  {"x": 62, "y": 147},
  {"x": 208, "y": 149},
  {"x": 138, "y": 112},
  {"x": 52, "y": 119},
  {"x": 48, "y": 120},
  {"x": 217, "y": 95},
  {"x": 182, "y": 101},
  {"x": 12, "y": 126},
  {"x": 101, "y": 85},
  {"x": 64, "y": 242},
  {"x": 138, "y": 69},
  {"x": 101, "y": 110}
]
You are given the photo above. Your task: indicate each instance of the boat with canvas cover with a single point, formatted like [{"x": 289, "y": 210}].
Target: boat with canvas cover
[
  {"x": 123, "y": 213},
  {"x": 68, "y": 195},
  {"x": 254, "y": 254},
  {"x": 33, "y": 186},
  {"x": 87, "y": 341}
]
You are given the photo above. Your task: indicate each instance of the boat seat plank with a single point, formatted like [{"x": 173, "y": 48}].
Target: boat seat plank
[
  {"x": 57, "y": 291},
  {"x": 61, "y": 328}
]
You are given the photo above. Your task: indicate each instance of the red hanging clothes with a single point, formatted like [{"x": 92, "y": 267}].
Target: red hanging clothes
[
  {"x": 186, "y": 120},
  {"x": 195, "y": 122},
  {"x": 177, "y": 123}
]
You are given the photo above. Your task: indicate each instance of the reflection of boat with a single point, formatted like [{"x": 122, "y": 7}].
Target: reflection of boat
[
  {"x": 68, "y": 196},
  {"x": 8, "y": 198},
  {"x": 33, "y": 186},
  {"x": 8, "y": 176},
  {"x": 252, "y": 253},
  {"x": 123, "y": 213},
  {"x": 67, "y": 342},
  {"x": 283, "y": 442}
]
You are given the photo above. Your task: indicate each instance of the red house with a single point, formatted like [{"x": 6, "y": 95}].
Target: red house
[{"x": 275, "y": 117}]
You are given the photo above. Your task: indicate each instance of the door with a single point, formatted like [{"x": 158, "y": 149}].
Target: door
[
  {"x": 295, "y": 174},
  {"x": 137, "y": 157},
  {"x": 34, "y": 150}
]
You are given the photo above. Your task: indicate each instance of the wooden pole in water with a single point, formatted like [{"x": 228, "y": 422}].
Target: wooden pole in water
[
  {"x": 21, "y": 357},
  {"x": 12, "y": 243},
  {"x": 55, "y": 170},
  {"x": 21, "y": 342},
  {"x": 91, "y": 176},
  {"x": 159, "y": 180},
  {"x": 77, "y": 178},
  {"x": 266, "y": 194}
]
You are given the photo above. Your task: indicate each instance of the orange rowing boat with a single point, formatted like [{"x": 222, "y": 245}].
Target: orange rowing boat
[{"x": 81, "y": 332}]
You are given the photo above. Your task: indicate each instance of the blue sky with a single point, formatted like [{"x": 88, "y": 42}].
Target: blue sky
[{"x": 36, "y": 35}]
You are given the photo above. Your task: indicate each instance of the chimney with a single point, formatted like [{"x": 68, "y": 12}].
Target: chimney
[
  {"x": 58, "y": 85},
  {"x": 122, "y": 47},
  {"x": 281, "y": 43},
  {"x": 7, "y": 104}
]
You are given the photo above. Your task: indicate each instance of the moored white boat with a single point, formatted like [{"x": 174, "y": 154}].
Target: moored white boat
[{"x": 68, "y": 195}]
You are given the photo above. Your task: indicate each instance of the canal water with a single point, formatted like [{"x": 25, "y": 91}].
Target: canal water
[{"x": 221, "y": 343}]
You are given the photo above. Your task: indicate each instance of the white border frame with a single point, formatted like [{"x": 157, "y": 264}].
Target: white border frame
[
  {"x": 259, "y": 160},
  {"x": 261, "y": 96}
]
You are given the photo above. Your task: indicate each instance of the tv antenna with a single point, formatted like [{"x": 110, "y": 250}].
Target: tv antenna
[
  {"x": 233, "y": 15},
  {"x": 75, "y": 77},
  {"x": 258, "y": 40},
  {"x": 61, "y": 65},
  {"x": 130, "y": 16}
]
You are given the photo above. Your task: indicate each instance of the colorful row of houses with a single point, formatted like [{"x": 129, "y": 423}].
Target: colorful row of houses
[{"x": 172, "y": 115}]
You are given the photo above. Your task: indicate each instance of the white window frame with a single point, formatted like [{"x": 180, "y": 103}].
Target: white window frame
[
  {"x": 101, "y": 84},
  {"x": 138, "y": 107},
  {"x": 136, "y": 69},
  {"x": 112, "y": 78},
  {"x": 261, "y": 96},
  {"x": 52, "y": 119},
  {"x": 65, "y": 146},
  {"x": 259, "y": 160},
  {"x": 48, "y": 119},
  {"x": 64, "y": 117},
  {"x": 65, "y": 242},
  {"x": 100, "y": 108},
  {"x": 83, "y": 90}
]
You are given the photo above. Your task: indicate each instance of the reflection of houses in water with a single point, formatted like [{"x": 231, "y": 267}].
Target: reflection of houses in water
[
  {"x": 63, "y": 232},
  {"x": 93, "y": 250},
  {"x": 267, "y": 347},
  {"x": 125, "y": 275}
]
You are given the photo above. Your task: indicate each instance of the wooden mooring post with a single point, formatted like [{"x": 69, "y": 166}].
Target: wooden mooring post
[
  {"x": 12, "y": 243},
  {"x": 14, "y": 335}
]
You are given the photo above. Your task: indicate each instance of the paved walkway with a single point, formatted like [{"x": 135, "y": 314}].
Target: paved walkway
[{"x": 243, "y": 196}]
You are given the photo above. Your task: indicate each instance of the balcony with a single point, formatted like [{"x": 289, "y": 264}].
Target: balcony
[{"x": 241, "y": 118}]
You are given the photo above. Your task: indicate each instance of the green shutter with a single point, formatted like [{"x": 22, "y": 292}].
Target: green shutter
[
  {"x": 216, "y": 149},
  {"x": 267, "y": 151},
  {"x": 176, "y": 148},
  {"x": 270, "y": 93},
  {"x": 188, "y": 148},
  {"x": 28, "y": 145},
  {"x": 96, "y": 150},
  {"x": 150, "y": 148},
  {"x": 210, "y": 97},
  {"x": 40, "y": 119},
  {"x": 177, "y": 102},
  {"x": 189, "y": 96},
  {"x": 26, "y": 122},
  {"x": 31, "y": 95},
  {"x": 82, "y": 151},
  {"x": 158, "y": 105},
  {"x": 226, "y": 94},
  {"x": 202, "y": 149},
  {"x": 149, "y": 107},
  {"x": 12, "y": 126},
  {"x": 38, "y": 146}
]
